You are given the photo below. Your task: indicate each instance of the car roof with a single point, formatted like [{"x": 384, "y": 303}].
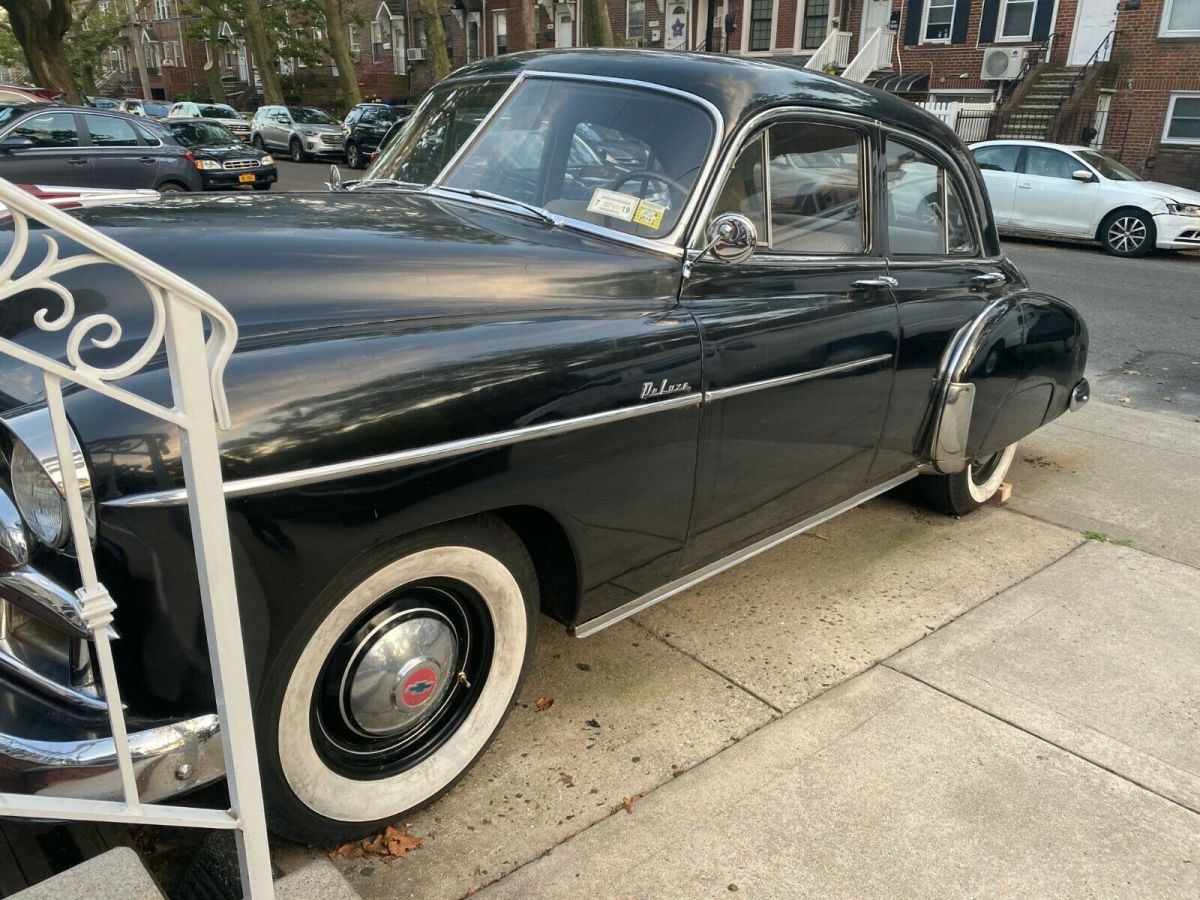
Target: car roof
[
  {"x": 738, "y": 87},
  {"x": 1025, "y": 142}
]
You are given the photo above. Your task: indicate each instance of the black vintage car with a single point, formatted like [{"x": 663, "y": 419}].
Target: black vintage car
[
  {"x": 222, "y": 160},
  {"x": 595, "y": 327}
]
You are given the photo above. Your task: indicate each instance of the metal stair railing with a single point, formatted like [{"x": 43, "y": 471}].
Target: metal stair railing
[{"x": 198, "y": 408}]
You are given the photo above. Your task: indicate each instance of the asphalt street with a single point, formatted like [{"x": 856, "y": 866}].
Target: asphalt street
[{"x": 1143, "y": 314}]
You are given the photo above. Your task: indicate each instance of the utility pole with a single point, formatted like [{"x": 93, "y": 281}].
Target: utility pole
[{"x": 139, "y": 52}]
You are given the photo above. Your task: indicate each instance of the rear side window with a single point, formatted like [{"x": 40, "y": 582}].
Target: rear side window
[
  {"x": 107, "y": 131},
  {"x": 50, "y": 130},
  {"x": 998, "y": 157},
  {"x": 926, "y": 215},
  {"x": 146, "y": 135}
]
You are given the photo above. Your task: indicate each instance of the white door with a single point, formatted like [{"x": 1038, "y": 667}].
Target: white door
[
  {"x": 1049, "y": 199},
  {"x": 1094, "y": 19},
  {"x": 876, "y": 14},
  {"x": 677, "y": 28},
  {"x": 562, "y": 27}
]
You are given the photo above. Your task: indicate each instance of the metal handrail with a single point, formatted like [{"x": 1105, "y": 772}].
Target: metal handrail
[
  {"x": 198, "y": 406},
  {"x": 1009, "y": 88},
  {"x": 1110, "y": 41}
]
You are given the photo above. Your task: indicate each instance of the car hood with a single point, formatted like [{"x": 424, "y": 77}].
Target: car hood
[
  {"x": 225, "y": 151},
  {"x": 1159, "y": 190},
  {"x": 294, "y": 263}
]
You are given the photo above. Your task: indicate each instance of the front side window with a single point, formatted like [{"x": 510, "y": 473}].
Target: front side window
[
  {"x": 51, "y": 130},
  {"x": 1183, "y": 120},
  {"x": 1046, "y": 163},
  {"x": 1181, "y": 18},
  {"x": 926, "y": 214},
  {"x": 1016, "y": 21},
  {"x": 939, "y": 20},
  {"x": 760, "y": 24},
  {"x": 618, "y": 157},
  {"x": 801, "y": 183},
  {"x": 998, "y": 157},
  {"x": 107, "y": 131}
]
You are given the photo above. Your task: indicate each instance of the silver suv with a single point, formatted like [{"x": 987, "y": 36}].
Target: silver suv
[
  {"x": 221, "y": 112},
  {"x": 303, "y": 131}
]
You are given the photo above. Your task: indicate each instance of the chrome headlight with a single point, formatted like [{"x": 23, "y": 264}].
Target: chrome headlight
[
  {"x": 38, "y": 487},
  {"x": 1183, "y": 209},
  {"x": 41, "y": 505},
  {"x": 267, "y": 160},
  {"x": 204, "y": 164}
]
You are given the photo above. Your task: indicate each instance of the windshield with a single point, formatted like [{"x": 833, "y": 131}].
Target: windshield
[
  {"x": 307, "y": 115},
  {"x": 192, "y": 134},
  {"x": 218, "y": 112},
  {"x": 1107, "y": 166},
  {"x": 156, "y": 109}
]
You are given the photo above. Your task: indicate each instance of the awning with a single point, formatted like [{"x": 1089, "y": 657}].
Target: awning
[{"x": 913, "y": 83}]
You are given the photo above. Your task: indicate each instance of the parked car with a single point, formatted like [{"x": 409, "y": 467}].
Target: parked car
[
  {"x": 222, "y": 160},
  {"x": 1065, "y": 190},
  {"x": 220, "y": 112},
  {"x": 145, "y": 108},
  {"x": 365, "y": 128},
  {"x": 490, "y": 382},
  {"x": 303, "y": 132},
  {"x": 85, "y": 147},
  {"x": 17, "y": 93},
  {"x": 103, "y": 103}
]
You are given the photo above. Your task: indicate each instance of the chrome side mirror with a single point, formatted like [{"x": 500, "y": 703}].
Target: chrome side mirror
[
  {"x": 1083, "y": 175},
  {"x": 732, "y": 238}
]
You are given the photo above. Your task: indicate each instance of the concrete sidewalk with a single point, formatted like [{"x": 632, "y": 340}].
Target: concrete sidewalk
[{"x": 825, "y": 720}]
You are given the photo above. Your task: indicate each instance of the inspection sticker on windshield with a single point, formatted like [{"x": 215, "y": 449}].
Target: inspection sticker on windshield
[
  {"x": 649, "y": 214},
  {"x": 613, "y": 203}
]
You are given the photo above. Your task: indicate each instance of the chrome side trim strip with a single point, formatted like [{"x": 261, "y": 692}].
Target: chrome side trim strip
[
  {"x": 384, "y": 462},
  {"x": 590, "y": 627},
  {"x": 722, "y": 393}
]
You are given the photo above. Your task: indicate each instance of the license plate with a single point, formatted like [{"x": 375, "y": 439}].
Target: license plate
[{"x": 247, "y": 177}]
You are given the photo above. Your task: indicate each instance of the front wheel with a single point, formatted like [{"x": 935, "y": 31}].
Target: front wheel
[
  {"x": 258, "y": 143},
  {"x": 1127, "y": 232},
  {"x": 296, "y": 150},
  {"x": 965, "y": 491},
  {"x": 354, "y": 157},
  {"x": 395, "y": 681}
]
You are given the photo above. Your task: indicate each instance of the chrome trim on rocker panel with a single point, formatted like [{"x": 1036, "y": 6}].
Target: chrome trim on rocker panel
[
  {"x": 590, "y": 627},
  {"x": 722, "y": 393},
  {"x": 301, "y": 477}
]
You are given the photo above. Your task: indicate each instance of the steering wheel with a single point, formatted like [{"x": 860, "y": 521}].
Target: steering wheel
[{"x": 675, "y": 190}]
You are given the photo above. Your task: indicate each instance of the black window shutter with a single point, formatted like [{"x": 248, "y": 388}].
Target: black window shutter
[
  {"x": 962, "y": 12},
  {"x": 1041, "y": 19},
  {"x": 987, "y": 20},
  {"x": 912, "y": 22}
]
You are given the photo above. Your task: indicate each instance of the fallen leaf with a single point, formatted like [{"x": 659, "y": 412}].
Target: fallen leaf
[
  {"x": 343, "y": 851},
  {"x": 566, "y": 779},
  {"x": 628, "y": 802},
  {"x": 544, "y": 703},
  {"x": 390, "y": 845}
]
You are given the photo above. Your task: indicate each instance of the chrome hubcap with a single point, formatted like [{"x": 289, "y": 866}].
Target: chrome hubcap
[
  {"x": 400, "y": 674},
  {"x": 1127, "y": 233}
]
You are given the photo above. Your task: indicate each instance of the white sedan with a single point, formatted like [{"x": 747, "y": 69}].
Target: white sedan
[{"x": 1061, "y": 190}]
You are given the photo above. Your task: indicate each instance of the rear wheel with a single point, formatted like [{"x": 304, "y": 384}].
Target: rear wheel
[
  {"x": 396, "y": 680},
  {"x": 965, "y": 491},
  {"x": 1127, "y": 232},
  {"x": 171, "y": 187}
]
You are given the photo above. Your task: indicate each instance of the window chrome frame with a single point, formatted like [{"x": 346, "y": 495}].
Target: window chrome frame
[{"x": 668, "y": 243}]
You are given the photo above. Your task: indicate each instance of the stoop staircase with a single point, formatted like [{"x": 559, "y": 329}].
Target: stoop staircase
[{"x": 1033, "y": 118}]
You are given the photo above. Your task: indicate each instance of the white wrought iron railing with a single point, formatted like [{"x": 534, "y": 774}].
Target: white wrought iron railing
[
  {"x": 196, "y": 367},
  {"x": 834, "y": 50},
  {"x": 874, "y": 54}
]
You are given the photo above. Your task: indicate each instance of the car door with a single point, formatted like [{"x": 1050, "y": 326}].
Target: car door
[
  {"x": 799, "y": 340},
  {"x": 54, "y": 156},
  {"x": 280, "y": 128},
  {"x": 943, "y": 279},
  {"x": 119, "y": 160},
  {"x": 998, "y": 162},
  {"x": 1049, "y": 199}
]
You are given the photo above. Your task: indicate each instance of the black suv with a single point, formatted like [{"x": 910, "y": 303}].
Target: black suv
[
  {"x": 86, "y": 147},
  {"x": 365, "y": 128}
]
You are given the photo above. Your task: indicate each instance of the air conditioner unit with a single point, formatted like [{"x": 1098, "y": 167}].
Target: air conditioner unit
[
  {"x": 415, "y": 54},
  {"x": 1002, "y": 63}
]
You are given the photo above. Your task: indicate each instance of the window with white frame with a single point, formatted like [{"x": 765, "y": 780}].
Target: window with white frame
[
  {"x": 762, "y": 15},
  {"x": 399, "y": 46},
  {"x": 499, "y": 33},
  {"x": 1016, "y": 20},
  {"x": 472, "y": 36},
  {"x": 1181, "y": 18},
  {"x": 355, "y": 49},
  {"x": 939, "y": 21},
  {"x": 1183, "y": 120},
  {"x": 376, "y": 41},
  {"x": 635, "y": 20},
  {"x": 162, "y": 9}
]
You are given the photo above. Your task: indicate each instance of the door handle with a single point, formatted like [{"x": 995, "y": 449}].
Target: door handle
[
  {"x": 1026, "y": 186},
  {"x": 883, "y": 281},
  {"x": 76, "y": 161},
  {"x": 146, "y": 159},
  {"x": 989, "y": 279}
]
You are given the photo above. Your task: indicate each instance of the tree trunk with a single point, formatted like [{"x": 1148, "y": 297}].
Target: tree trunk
[
  {"x": 213, "y": 72},
  {"x": 265, "y": 51},
  {"x": 39, "y": 29},
  {"x": 598, "y": 30},
  {"x": 439, "y": 50},
  {"x": 339, "y": 48},
  {"x": 87, "y": 78}
]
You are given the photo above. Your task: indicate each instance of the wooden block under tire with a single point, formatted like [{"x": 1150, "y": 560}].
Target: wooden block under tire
[{"x": 1002, "y": 494}]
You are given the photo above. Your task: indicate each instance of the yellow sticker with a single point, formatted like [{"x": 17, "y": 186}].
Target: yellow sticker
[{"x": 649, "y": 214}]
